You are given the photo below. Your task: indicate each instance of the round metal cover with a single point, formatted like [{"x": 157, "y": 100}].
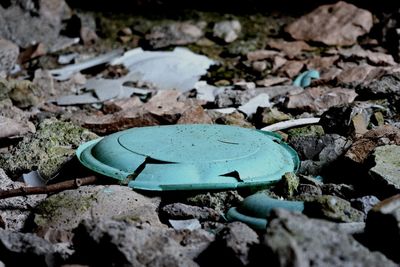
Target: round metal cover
[{"x": 188, "y": 157}]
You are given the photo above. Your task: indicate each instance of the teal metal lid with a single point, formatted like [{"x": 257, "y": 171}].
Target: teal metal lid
[{"x": 189, "y": 157}]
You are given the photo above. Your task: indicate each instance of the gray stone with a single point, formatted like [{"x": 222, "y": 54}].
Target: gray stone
[
  {"x": 227, "y": 30},
  {"x": 338, "y": 24},
  {"x": 387, "y": 85},
  {"x": 380, "y": 136},
  {"x": 383, "y": 227},
  {"x": 42, "y": 21},
  {"x": 65, "y": 210},
  {"x": 233, "y": 97},
  {"x": 183, "y": 211},
  {"x": 308, "y": 189},
  {"x": 48, "y": 149},
  {"x": 8, "y": 55},
  {"x": 294, "y": 240},
  {"x": 218, "y": 201},
  {"x": 15, "y": 211},
  {"x": 387, "y": 166},
  {"x": 365, "y": 203},
  {"x": 287, "y": 185},
  {"x": 178, "y": 33},
  {"x": 20, "y": 249},
  {"x": 332, "y": 208},
  {"x": 344, "y": 191},
  {"x": 319, "y": 152},
  {"x": 232, "y": 245},
  {"x": 319, "y": 99},
  {"x": 348, "y": 120},
  {"x": 112, "y": 243}
]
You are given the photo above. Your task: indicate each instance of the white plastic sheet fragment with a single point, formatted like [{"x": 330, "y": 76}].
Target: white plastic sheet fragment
[
  {"x": 67, "y": 72},
  {"x": 179, "y": 69},
  {"x": 261, "y": 100}
]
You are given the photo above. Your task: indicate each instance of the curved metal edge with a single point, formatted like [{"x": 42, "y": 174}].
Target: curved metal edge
[
  {"x": 255, "y": 223},
  {"x": 84, "y": 155}
]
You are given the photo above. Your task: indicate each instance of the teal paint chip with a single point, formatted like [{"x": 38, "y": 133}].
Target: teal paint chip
[{"x": 190, "y": 157}]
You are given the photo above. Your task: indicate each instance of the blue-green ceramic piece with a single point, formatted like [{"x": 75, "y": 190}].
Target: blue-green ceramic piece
[
  {"x": 255, "y": 209},
  {"x": 188, "y": 157},
  {"x": 304, "y": 79}
]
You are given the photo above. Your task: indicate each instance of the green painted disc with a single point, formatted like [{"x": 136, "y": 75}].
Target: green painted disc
[{"x": 187, "y": 157}]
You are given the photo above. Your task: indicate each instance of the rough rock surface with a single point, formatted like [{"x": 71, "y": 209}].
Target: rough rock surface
[
  {"x": 332, "y": 208},
  {"x": 67, "y": 209},
  {"x": 365, "y": 203},
  {"x": 20, "y": 249},
  {"x": 15, "y": 211},
  {"x": 179, "y": 33},
  {"x": 232, "y": 244},
  {"x": 387, "y": 85},
  {"x": 383, "y": 135},
  {"x": 387, "y": 166},
  {"x": 219, "y": 201},
  {"x": 47, "y": 150},
  {"x": 320, "y": 99},
  {"x": 338, "y": 24},
  {"x": 228, "y": 30},
  {"x": 8, "y": 55},
  {"x": 107, "y": 242},
  {"x": 383, "y": 227},
  {"x": 182, "y": 211},
  {"x": 42, "y": 21},
  {"x": 294, "y": 240}
]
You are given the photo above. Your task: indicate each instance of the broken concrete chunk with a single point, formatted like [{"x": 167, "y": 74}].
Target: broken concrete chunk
[
  {"x": 20, "y": 249},
  {"x": 11, "y": 128},
  {"x": 383, "y": 135},
  {"x": 383, "y": 227},
  {"x": 290, "y": 49},
  {"x": 219, "y": 201},
  {"x": 374, "y": 58},
  {"x": 320, "y": 99},
  {"x": 385, "y": 86},
  {"x": 273, "y": 115},
  {"x": 183, "y": 211},
  {"x": 233, "y": 244},
  {"x": 312, "y": 242},
  {"x": 262, "y": 54},
  {"x": 291, "y": 68},
  {"x": 387, "y": 166},
  {"x": 348, "y": 120},
  {"x": 8, "y": 55},
  {"x": 365, "y": 203},
  {"x": 42, "y": 21},
  {"x": 67, "y": 209},
  {"x": 47, "y": 150},
  {"x": 15, "y": 211},
  {"x": 195, "y": 114},
  {"x": 122, "y": 120},
  {"x": 112, "y": 242},
  {"x": 332, "y": 208},
  {"x": 177, "y": 33},
  {"x": 227, "y": 30},
  {"x": 338, "y": 24}
]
